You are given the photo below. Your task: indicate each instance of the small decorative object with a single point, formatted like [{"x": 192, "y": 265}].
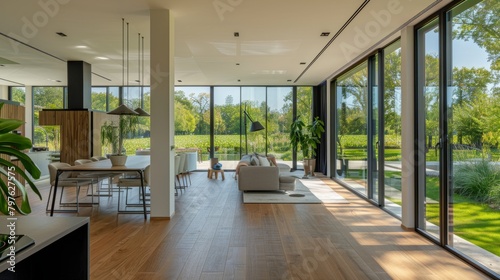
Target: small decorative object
[{"x": 217, "y": 166}]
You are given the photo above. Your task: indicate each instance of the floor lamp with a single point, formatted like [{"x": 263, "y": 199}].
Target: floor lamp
[{"x": 255, "y": 126}]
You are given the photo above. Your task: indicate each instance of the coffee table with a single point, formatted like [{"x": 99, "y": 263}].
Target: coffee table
[{"x": 212, "y": 171}]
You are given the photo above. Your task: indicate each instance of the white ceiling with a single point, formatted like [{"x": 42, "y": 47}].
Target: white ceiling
[{"x": 275, "y": 37}]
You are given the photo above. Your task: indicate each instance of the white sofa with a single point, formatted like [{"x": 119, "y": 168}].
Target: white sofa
[{"x": 264, "y": 178}]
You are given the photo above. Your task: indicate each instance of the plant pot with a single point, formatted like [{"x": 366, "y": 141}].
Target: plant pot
[
  {"x": 118, "y": 160},
  {"x": 309, "y": 166}
]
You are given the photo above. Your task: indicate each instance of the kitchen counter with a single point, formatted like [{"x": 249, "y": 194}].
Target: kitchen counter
[{"x": 60, "y": 251}]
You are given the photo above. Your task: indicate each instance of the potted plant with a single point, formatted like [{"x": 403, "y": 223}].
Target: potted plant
[
  {"x": 307, "y": 137},
  {"x": 12, "y": 144},
  {"x": 113, "y": 133}
]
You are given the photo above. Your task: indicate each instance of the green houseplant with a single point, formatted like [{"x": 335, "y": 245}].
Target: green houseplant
[
  {"x": 307, "y": 137},
  {"x": 113, "y": 133},
  {"x": 12, "y": 145}
]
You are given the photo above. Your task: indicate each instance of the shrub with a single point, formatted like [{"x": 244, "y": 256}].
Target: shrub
[{"x": 476, "y": 180}]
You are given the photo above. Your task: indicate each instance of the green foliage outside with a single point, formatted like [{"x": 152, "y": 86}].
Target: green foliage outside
[{"x": 475, "y": 222}]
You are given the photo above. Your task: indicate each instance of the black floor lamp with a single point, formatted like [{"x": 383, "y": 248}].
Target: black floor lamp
[{"x": 255, "y": 126}]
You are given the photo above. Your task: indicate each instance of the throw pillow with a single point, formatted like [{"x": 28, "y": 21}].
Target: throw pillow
[
  {"x": 255, "y": 161},
  {"x": 272, "y": 159},
  {"x": 247, "y": 158},
  {"x": 264, "y": 161}
]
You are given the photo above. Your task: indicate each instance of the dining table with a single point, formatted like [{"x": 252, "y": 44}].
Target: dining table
[{"x": 133, "y": 164}]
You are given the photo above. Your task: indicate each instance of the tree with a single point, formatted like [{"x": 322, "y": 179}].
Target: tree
[
  {"x": 201, "y": 105},
  {"x": 471, "y": 86},
  {"x": 481, "y": 23}
]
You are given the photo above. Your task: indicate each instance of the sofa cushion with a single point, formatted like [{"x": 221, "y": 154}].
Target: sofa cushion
[
  {"x": 255, "y": 161},
  {"x": 264, "y": 161}
]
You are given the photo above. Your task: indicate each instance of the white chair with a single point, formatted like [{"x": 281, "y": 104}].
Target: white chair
[
  {"x": 98, "y": 158},
  {"x": 65, "y": 180},
  {"x": 182, "y": 170},
  {"x": 177, "y": 169},
  {"x": 135, "y": 182},
  {"x": 98, "y": 176},
  {"x": 143, "y": 152}
]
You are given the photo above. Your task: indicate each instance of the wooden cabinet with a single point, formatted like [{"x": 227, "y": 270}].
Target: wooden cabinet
[{"x": 80, "y": 132}]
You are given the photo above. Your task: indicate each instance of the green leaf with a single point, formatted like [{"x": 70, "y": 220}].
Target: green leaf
[
  {"x": 28, "y": 164},
  {"x": 8, "y": 125},
  {"x": 17, "y": 141}
]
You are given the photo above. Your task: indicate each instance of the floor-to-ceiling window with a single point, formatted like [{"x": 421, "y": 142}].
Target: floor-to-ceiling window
[
  {"x": 18, "y": 94},
  {"x": 304, "y": 111},
  {"x": 192, "y": 119},
  {"x": 254, "y": 102},
  {"x": 279, "y": 119},
  {"x": 46, "y": 98},
  {"x": 351, "y": 127},
  {"x": 391, "y": 112},
  {"x": 459, "y": 184},
  {"x": 227, "y": 126}
]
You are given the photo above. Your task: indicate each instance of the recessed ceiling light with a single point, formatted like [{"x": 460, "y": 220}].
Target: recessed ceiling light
[
  {"x": 302, "y": 63},
  {"x": 180, "y": 81},
  {"x": 81, "y": 47},
  {"x": 101, "y": 58},
  {"x": 325, "y": 34},
  {"x": 288, "y": 80},
  {"x": 137, "y": 81},
  {"x": 58, "y": 81},
  {"x": 237, "y": 64},
  {"x": 239, "y": 80},
  {"x": 236, "y": 34},
  {"x": 61, "y": 34}
]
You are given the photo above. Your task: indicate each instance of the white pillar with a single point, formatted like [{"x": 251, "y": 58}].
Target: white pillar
[
  {"x": 162, "y": 113},
  {"x": 329, "y": 128},
  {"x": 407, "y": 132},
  {"x": 28, "y": 112},
  {"x": 4, "y": 92}
]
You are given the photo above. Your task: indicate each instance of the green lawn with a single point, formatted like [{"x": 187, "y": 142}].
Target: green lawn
[{"x": 476, "y": 222}]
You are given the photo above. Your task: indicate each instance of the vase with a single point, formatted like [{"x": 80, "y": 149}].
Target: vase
[
  {"x": 309, "y": 166},
  {"x": 118, "y": 160}
]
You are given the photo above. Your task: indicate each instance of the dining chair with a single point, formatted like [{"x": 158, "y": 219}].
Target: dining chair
[
  {"x": 98, "y": 176},
  {"x": 66, "y": 180},
  {"x": 129, "y": 183}
]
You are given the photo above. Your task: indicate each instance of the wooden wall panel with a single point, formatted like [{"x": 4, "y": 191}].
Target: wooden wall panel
[{"x": 75, "y": 132}]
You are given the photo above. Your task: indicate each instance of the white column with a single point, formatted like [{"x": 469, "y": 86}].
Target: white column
[
  {"x": 328, "y": 129},
  {"x": 162, "y": 113},
  {"x": 28, "y": 112},
  {"x": 4, "y": 92},
  {"x": 407, "y": 132}
]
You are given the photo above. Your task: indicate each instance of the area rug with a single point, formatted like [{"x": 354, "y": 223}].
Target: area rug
[{"x": 307, "y": 191}]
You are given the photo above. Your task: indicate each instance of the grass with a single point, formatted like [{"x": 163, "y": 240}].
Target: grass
[{"x": 476, "y": 222}]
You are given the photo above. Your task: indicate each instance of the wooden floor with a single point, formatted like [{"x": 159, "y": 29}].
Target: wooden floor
[{"x": 213, "y": 235}]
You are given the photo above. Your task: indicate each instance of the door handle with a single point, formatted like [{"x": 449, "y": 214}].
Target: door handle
[{"x": 437, "y": 146}]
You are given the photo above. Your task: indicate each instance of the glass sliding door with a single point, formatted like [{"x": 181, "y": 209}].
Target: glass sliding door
[
  {"x": 473, "y": 131},
  {"x": 373, "y": 129},
  {"x": 47, "y": 98},
  {"x": 279, "y": 119},
  {"x": 253, "y": 101},
  {"x": 392, "y": 128},
  {"x": 304, "y": 110},
  {"x": 192, "y": 121},
  {"x": 429, "y": 111},
  {"x": 352, "y": 128},
  {"x": 226, "y": 121}
]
